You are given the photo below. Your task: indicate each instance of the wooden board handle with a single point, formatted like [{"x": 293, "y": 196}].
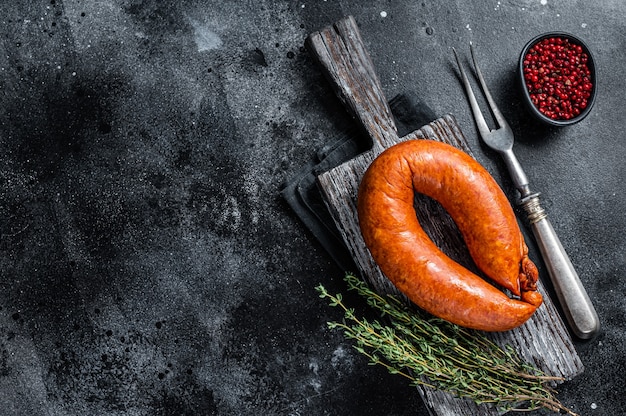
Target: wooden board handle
[{"x": 341, "y": 53}]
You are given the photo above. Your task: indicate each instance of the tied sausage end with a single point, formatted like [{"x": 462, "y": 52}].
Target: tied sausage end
[{"x": 528, "y": 281}]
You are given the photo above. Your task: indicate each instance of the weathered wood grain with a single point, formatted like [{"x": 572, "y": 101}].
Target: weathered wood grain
[{"x": 543, "y": 340}]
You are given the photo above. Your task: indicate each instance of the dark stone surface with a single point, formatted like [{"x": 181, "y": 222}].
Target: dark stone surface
[{"x": 148, "y": 264}]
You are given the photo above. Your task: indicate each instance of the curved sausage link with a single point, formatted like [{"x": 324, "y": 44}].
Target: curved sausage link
[{"x": 481, "y": 211}]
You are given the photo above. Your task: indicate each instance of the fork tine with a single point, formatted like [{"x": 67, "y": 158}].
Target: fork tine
[
  {"x": 483, "y": 129},
  {"x": 492, "y": 104}
]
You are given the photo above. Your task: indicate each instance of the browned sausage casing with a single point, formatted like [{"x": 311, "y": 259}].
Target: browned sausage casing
[{"x": 416, "y": 266}]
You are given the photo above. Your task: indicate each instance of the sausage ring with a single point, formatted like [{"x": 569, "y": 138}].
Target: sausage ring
[{"x": 481, "y": 211}]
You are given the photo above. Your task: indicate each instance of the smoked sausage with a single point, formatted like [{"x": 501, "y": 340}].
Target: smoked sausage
[{"x": 483, "y": 215}]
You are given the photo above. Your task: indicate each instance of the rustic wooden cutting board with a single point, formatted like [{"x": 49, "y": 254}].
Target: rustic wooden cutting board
[{"x": 543, "y": 340}]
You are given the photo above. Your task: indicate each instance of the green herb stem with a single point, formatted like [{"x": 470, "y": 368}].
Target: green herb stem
[{"x": 434, "y": 353}]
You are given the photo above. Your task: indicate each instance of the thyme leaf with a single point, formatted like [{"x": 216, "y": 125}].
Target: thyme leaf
[{"x": 432, "y": 352}]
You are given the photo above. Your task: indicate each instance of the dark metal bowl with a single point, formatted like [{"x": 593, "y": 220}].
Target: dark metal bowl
[{"x": 526, "y": 95}]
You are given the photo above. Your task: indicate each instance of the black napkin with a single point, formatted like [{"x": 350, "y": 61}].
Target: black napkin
[{"x": 303, "y": 195}]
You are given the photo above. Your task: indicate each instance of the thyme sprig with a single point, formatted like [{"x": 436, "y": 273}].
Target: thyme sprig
[{"x": 432, "y": 352}]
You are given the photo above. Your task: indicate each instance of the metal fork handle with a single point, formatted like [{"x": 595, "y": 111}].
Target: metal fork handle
[
  {"x": 516, "y": 172},
  {"x": 577, "y": 307}
]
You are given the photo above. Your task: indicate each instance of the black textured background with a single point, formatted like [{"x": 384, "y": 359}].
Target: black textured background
[{"x": 148, "y": 263}]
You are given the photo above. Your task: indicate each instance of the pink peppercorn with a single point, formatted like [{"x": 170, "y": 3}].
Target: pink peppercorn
[{"x": 558, "y": 78}]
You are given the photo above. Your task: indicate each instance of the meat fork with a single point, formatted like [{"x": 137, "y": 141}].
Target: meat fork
[{"x": 577, "y": 306}]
